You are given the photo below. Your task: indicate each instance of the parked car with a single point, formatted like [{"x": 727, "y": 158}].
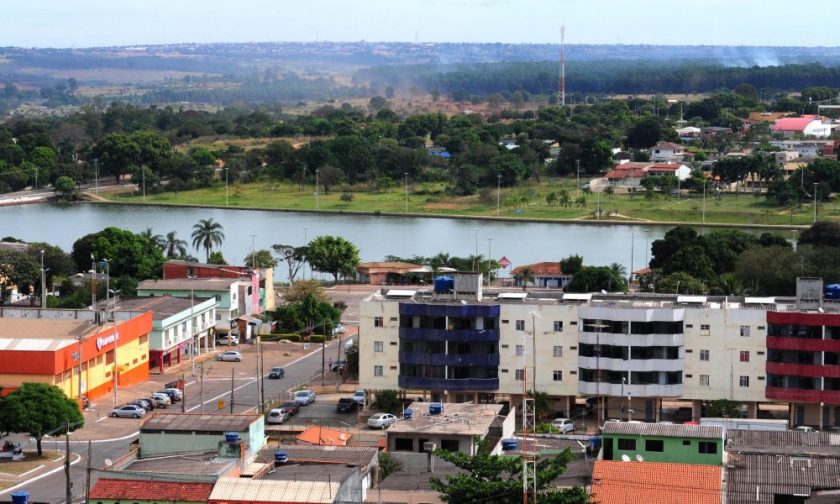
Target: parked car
[
  {"x": 276, "y": 372},
  {"x": 230, "y": 356},
  {"x": 175, "y": 394},
  {"x": 228, "y": 340},
  {"x": 304, "y": 397},
  {"x": 339, "y": 329},
  {"x": 359, "y": 396},
  {"x": 564, "y": 425},
  {"x": 128, "y": 411},
  {"x": 381, "y": 420},
  {"x": 291, "y": 407},
  {"x": 346, "y": 405},
  {"x": 277, "y": 416},
  {"x": 146, "y": 404},
  {"x": 339, "y": 364},
  {"x": 805, "y": 428},
  {"x": 162, "y": 399}
]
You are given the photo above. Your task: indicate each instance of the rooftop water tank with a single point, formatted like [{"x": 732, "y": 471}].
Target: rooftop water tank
[
  {"x": 231, "y": 437},
  {"x": 281, "y": 457},
  {"x": 832, "y": 291},
  {"x": 20, "y": 497},
  {"x": 435, "y": 408},
  {"x": 444, "y": 284},
  {"x": 408, "y": 413},
  {"x": 510, "y": 444}
]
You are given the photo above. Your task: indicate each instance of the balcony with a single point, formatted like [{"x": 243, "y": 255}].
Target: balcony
[
  {"x": 803, "y": 395},
  {"x": 592, "y": 338},
  {"x": 802, "y": 344},
  {"x": 421, "y": 383},
  {"x": 631, "y": 364},
  {"x": 465, "y": 311},
  {"x": 781, "y": 368},
  {"x": 440, "y": 359},
  {"x": 457, "y": 335},
  {"x": 641, "y": 390}
]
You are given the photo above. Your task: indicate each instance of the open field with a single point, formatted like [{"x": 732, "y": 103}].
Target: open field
[{"x": 731, "y": 209}]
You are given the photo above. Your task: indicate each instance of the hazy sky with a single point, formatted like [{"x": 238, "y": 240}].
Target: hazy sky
[{"x": 85, "y": 23}]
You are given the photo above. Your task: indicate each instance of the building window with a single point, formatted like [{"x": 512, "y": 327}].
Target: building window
[
  {"x": 109, "y": 357},
  {"x": 558, "y": 351},
  {"x": 218, "y": 316},
  {"x": 707, "y": 447},
  {"x": 654, "y": 445},
  {"x": 704, "y": 329},
  {"x": 744, "y": 381},
  {"x": 704, "y": 380},
  {"x": 378, "y": 322},
  {"x": 520, "y": 374},
  {"x": 745, "y": 330},
  {"x": 520, "y": 325},
  {"x": 377, "y": 370},
  {"x": 558, "y": 326},
  {"x": 704, "y": 355},
  {"x": 745, "y": 356},
  {"x": 218, "y": 297},
  {"x": 143, "y": 339},
  {"x": 686, "y": 442},
  {"x": 558, "y": 375},
  {"x": 377, "y": 346},
  {"x": 626, "y": 444},
  {"x": 520, "y": 350}
]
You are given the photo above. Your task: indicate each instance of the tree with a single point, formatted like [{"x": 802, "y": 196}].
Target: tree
[
  {"x": 609, "y": 191},
  {"x": 261, "y": 259},
  {"x": 207, "y": 234},
  {"x": 298, "y": 291},
  {"x": 494, "y": 479},
  {"x": 388, "y": 401},
  {"x": 116, "y": 152},
  {"x": 309, "y": 314},
  {"x": 596, "y": 278},
  {"x": 645, "y": 133},
  {"x": 334, "y": 255},
  {"x": 17, "y": 269},
  {"x": 173, "y": 246},
  {"x": 153, "y": 238},
  {"x": 388, "y": 465},
  {"x": 352, "y": 356},
  {"x": 129, "y": 254},
  {"x": 216, "y": 257},
  {"x": 525, "y": 275},
  {"x": 571, "y": 265},
  {"x": 65, "y": 186},
  {"x": 38, "y": 409},
  {"x": 295, "y": 257},
  {"x": 823, "y": 233},
  {"x": 722, "y": 408},
  {"x": 770, "y": 271},
  {"x": 680, "y": 283},
  {"x": 329, "y": 175}
]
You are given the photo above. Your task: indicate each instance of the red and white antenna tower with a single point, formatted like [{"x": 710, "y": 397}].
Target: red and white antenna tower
[
  {"x": 529, "y": 419},
  {"x": 561, "y": 95}
]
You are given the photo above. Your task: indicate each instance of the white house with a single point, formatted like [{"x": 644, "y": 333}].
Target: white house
[
  {"x": 667, "y": 151},
  {"x": 678, "y": 170}
]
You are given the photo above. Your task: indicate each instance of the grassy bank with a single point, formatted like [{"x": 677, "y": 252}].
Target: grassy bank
[{"x": 730, "y": 209}]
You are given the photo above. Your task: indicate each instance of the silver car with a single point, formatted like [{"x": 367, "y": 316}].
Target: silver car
[
  {"x": 304, "y": 397},
  {"x": 232, "y": 356},
  {"x": 277, "y": 416},
  {"x": 128, "y": 411},
  {"x": 381, "y": 420}
]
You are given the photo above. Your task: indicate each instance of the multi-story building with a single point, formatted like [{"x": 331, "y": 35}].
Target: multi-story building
[{"x": 631, "y": 351}]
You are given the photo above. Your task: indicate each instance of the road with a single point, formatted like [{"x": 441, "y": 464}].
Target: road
[{"x": 300, "y": 370}]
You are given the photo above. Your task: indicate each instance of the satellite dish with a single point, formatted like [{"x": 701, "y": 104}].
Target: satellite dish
[
  {"x": 640, "y": 458},
  {"x": 625, "y": 458},
  {"x": 109, "y": 463}
]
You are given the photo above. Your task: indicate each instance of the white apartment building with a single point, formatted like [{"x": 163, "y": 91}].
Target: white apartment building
[{"x": 625, "y": 349}]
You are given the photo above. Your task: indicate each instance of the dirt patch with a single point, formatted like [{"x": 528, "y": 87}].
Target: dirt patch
[{"x": 443, "y": 206}]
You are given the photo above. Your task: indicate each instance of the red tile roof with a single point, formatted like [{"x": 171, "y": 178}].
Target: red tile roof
[
  {"x": 158, "y": 491},
  {"x": 794, "y": 123},
  {"x": 324, "y": 436},
  {"x": 541, "y": 269},
  {"x": 664, "y": 167},
  {"x": 668, "y": 146},
  {"x": 617, "y": 482}
]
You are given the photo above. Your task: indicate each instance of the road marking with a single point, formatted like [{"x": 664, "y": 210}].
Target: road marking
[
  {"x": 29, "y": 471},
  {"x": 36, "y": 478},
  {"x": 103, "y": 418}
]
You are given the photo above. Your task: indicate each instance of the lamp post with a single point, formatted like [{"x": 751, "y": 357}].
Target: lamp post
[
  {"x": 499, "y": 195},
  {"x": 489, "y": 252},
  {"x": 305, "y": 243},
  {"x": 192, "y": 324},
  {"x": 815, "y": 202},
  {"x": 406, "y": 191},
  {"x": 96, "y": 175},
  {"x": 43, "y": 282},
  {"x": 704, "y": 201},
  {"x": 317, "y": 205},
  {"x": 475, "y": 257},
  {"x": 227, "y": 188}
]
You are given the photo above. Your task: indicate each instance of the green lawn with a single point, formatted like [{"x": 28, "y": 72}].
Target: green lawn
[
  {"x": 31, "y": 461},
  {"x": 730, "y": 209}
]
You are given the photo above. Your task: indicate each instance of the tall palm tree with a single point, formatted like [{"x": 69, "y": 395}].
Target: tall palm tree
[
  {"x": 156, "y": 239},
  {"x": 173, "y": 246},
  {"x": 206, "y": 235},
  {"x": 526, "y": 274}
]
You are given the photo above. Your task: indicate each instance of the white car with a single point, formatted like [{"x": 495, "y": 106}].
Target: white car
[
  {"x": 128, "y": 411},
  {"x": 339, "y": 329},
  {"x": 381, "y": 420},
  {"x": 277, "y": 416},
  {"x": 163, "y": 398},
  {"x": 805, "y": 428},
  {"x": 231, "y": 356},
  {"x": 304, "y": 397},
  {"x": 359, "y": 396},
  {"x": 564, "y": 425},
  {"x": 228, "y": 340}
]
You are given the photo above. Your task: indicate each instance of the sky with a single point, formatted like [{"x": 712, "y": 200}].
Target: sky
[{"x": 91, "y": 23}]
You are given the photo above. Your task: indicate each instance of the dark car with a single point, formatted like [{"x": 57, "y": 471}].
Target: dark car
[
  {"x": 337, "y": 365},
  {"x": 292, "y": 407},
  {"x": 346, "y": 405},
  {"x": 144, "y": 403},
  {"x": 276, "y": 372}
]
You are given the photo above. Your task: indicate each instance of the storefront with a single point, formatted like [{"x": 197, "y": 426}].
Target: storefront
[{"x": 76, "y": 356}]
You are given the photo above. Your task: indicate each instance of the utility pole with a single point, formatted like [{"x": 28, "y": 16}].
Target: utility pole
[
  {"x": 184, "y": 399},
  {"x": 489, "y": 252},
  {"x": 232, "y": 390},
  {"x": 227, "y": 189},
  {"x": 44, "y": 283},
  {"x": 143, "y": 171},
  {"x": 499, "y": 195},
  {"x": 259, "y": 377},
  {"x": 262, "y": 375},
  {"x": 338, "y": 369},
  {"x": 88, "y": 471},
  {"x": 96, "y": 168},
  {"x": 323, "y": 355},
  {"x": 815, "y": 207},
  {"x": 406, "y": 191},
  {"x": 317, "y": 205},
  {"x": 201, "y": 387},
  {"x": 577, "y": 165},
  {"x": 67, "y": 480}
]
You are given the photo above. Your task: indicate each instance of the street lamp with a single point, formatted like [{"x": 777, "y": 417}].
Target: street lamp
[
  {"x": 317, "y": 205},
  {"x": 499, "y": 195},
  {"x": 43, "y": 282},
  {"x": 489, "y": 252},
  {"x": 815, "y": 202},
  {"x": 227, "y": 188},
  {"x": 406, "y": 191},
  {"x": 192, "y": 323}
]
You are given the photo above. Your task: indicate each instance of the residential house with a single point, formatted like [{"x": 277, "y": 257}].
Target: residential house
[
  {"x": 709, "y": 132},
  {"x": 547, "y": 275},
  {"x": 117, "y": 490},
  {"x": 619, "y": 482},
  {"x": 262, "y": 279},
  {"x": 806, "y": 125},
  {"x": 179, "y": 325},
  {"x": 164, "y": 434},
  {"x": 392, "y": 273},
  {"x": 669, "y": 169},
  {"x": 627, "y": 175},
  {"x": 667, "y": 151},
  {"x": 689, "y": 133},
  {"x": 804, "y": 149},
  {"x": 685, "y": 444},
  {"x": 269, "y": 491}
]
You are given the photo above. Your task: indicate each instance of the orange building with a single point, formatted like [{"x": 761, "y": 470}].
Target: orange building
[{"x": 74, "y": 355}]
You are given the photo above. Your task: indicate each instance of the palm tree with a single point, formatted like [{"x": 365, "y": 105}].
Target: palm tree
[
  {"x": 618, "y": 269},
  {"x": 609, "y": 191},
  {"x": 580, "y": 201},
  {"x": 526, "y": 274},
  {"x": 564, "y": 199},
  {"x": 155, "y": 239},
  {"x": 207, "y": 234},
  {"x": 551, "y": 198},
  {"x": 173, "y": 246}
]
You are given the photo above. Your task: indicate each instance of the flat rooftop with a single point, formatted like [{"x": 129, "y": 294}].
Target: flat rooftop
[
  {"x": 185, "y": 284},
  {"x": 198, "y": 422},
  {"x": 464, "y": 419},
  {"x": 306, "y": 454},
  {"x": 198, "y": 464},
  {"x": 664, "y": 430},
  {"x": 43, "y": 334},
  {"x": 262, "y": 490},
  {"x": 162, "y": 307}
]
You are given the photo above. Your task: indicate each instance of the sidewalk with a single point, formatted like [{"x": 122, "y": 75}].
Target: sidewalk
[{"x": 15, "y": 473}]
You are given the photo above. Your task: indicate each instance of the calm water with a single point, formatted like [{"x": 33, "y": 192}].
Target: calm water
[{"x": 376, "y": 237}]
